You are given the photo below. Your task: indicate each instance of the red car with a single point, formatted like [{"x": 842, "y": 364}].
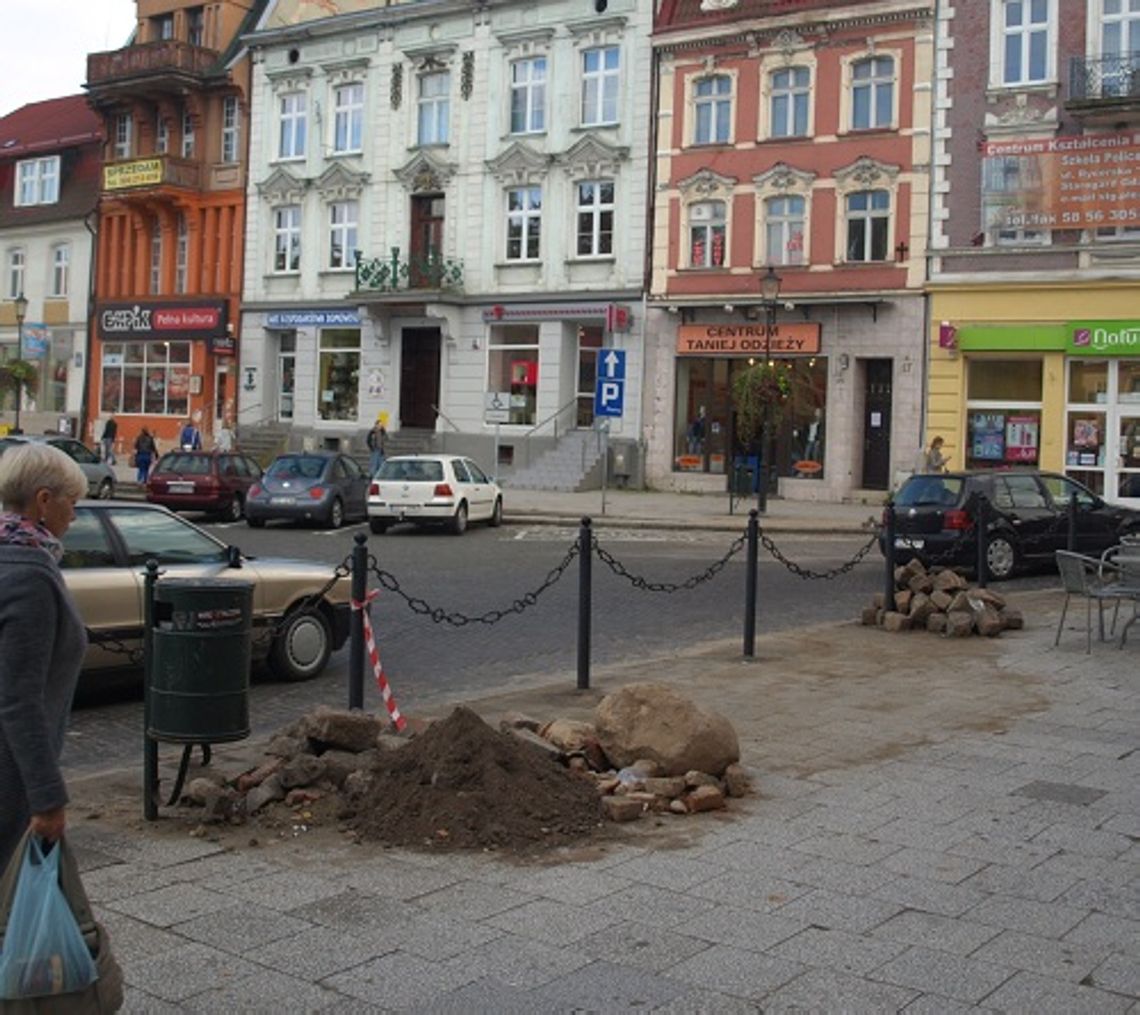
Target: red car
[{"x": 212, "y": 481}]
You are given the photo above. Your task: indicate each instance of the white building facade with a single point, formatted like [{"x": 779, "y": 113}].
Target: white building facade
[{"x": 446, "y": 221}]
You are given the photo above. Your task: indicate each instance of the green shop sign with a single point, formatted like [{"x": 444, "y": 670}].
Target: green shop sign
[
  {"x": 1103, "y": 338},
  {"x": 1076, "y": 338}
]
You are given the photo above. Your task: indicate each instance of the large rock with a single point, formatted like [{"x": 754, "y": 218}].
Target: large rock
[
  {"x": 568, "y": 734},
  {"x": 648, "y": 720},
  {"x": 337, "y": 729}
]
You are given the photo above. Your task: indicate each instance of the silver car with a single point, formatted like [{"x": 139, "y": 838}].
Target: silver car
[{"x": 100, "y": 476}]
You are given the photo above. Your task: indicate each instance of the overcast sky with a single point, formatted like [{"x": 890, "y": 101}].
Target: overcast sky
[{"x": 44, "y": 45}]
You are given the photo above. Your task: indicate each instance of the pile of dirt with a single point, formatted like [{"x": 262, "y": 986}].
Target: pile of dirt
[{"x": 462, "y": 785}]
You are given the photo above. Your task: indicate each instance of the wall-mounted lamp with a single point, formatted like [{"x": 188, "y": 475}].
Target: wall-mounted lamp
[{"x": 844, "y": 361}]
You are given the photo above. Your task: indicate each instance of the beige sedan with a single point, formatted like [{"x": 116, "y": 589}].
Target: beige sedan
[{"x": 297, "y": 622}]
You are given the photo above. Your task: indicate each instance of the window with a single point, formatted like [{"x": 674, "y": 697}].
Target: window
[
  {"x": 168, "y": 540},
  {"x": 291, "y": 116},
  {"x": 528, "y": 95},
  {"x": 151, "y": 377},
  {"x": 60, "y": 269},
  {"x": 195, "y": 26},
  {"x": 348, "y": 118},
  {"x": 595, "y": 218},
  {"x": 434, "y": 108},
  {"x": 15, "y": 272},
  {"x": 868, "y": 222},
  {"x": 338, "y": 374},
  {"x": 712, "y": 103},
  {"x": 1025, "y": 41},
  {"x": 512, "y": 368},
  {"x": 790, "y": 93},
  {"x": 1003, "y": 410},
  {"x": 524, "y": 223},
  {"x": 784, "y": 230},
  {"x": 87, "y": 544},
  {"x": 155, "y": 256},
  {"x": 343, "y": 217},
  {"x": 1011, "y": 185},
  {"x": 707, "y": 234},
  {"x": 601, "y": 76},
  {"x": 181, "y": 251},
  {"x": 161, "y": 135},
  {"x": 162, "y": 27},
  {"x": 121, "y": 147},
  {"x": 287, "y": 238},
  {"x": 38, "y": 181},
  {"x": 231, "y": 128},
  {"x": 1119, "y": 47},
  {"x": 872, "y": 93},
  {"x": 188, "y": 142}
]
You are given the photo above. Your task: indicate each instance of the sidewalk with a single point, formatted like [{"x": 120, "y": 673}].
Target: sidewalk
[{"x": 938, "y": 826}]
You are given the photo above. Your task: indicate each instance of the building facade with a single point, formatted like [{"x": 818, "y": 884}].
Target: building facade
[
  {"x": 794, "y": 136},
  {"x": 1035, "y": 333},
  {"x": 49, "y": 185},
  {"x": 175, "y": 108},
  {"x": 446, "y": 220}
]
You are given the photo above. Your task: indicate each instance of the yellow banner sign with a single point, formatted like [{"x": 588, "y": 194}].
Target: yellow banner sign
[{"x": 140, "y": 173}]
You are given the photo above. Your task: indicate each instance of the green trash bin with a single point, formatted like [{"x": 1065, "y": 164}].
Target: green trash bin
[{"x": 198, "y": 690}]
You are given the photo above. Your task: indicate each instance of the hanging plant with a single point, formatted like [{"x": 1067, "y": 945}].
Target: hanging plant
[
  {"x": 16, "y": 373},
  {"x": 759, "y": 393}
]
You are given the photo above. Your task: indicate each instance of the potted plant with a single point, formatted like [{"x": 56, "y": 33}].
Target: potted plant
[{"x": 17, "y": 375}]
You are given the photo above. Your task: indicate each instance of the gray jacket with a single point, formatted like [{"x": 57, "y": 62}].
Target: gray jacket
[{"x": 42, "y": 642}]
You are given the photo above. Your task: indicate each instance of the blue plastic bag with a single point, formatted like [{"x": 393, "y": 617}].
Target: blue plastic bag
[{"x": 43, "y": 951}]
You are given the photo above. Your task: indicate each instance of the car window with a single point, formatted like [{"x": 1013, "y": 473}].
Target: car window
[
  {"x": 352, "y": 467},
  {"x": 461, "y": 473},
  {"x": 930, "y": 491},
  {"x": 166, "y": 538},
  {"x": 477, "y": 474},
  {"x": 79, "y": 452},
  {"x": 187, "y": 465},
  {"x": 252, "y": 467},
  {"x": 340, "y": 470},
  {"x": 86, "y": 544},
  {"x": 294, "y": 466},
  {"x": 1002, "y": 496},
  {"x": 411, "y": 471},
  {"x": 1024, "y": 492},
  {"x": 1064, "y": 490}
]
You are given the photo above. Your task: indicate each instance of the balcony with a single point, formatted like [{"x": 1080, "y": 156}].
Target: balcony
[
  {"x": 156, "y": 66},
  {"x": 413, "y": 273},
  {"x": 131, "y": 175},
  {"x": 1104, "y": 87}
]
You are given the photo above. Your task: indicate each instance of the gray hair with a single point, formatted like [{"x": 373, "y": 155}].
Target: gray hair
[{"x": 32, "y": 466}]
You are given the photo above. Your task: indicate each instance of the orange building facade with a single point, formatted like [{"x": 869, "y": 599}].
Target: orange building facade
[{"x": 168, "y": 274}]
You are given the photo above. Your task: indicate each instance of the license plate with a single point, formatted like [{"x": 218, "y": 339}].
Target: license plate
[
  {"x": 903, "y": 543},
  {"x": 397, "y": 509},
  {"x": 282, "y": 500},
  {"x": 180, "y": 487}
]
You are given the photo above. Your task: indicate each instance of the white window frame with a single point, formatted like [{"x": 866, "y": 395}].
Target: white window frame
[
  {"x": 231, "y": 129},
  {"x": 156, "y": 257},
  {"x": 181, "y": 254},
  {"x": 37, "y": 182},
  {"x": 874, "y": 85},
  {"x": 189, "y": 141},
  {"x": 344, "y": 222},
  {"x": 998, "y": 36},
  {"x": 527, "y": 217},
  {"x": 122, "y": 145},
  {"x": 702, "y": 216},
  {"x": 60, "y": 269},
  {"x": 786, "y": 223},
  {"x": 601, "y": 86},
  {"x": 794, "y": 95},
  {"x": 713, "y": 102},
  {"x": 17, "y": 264},
  {"x": 531, "y": 86},
  {"x": 869, "y": 216},
  {"x": 292, "y": 125},
  {"x": 161, "y": 135},
  {"x": 433, "y": 109},
  {"x": 348, "y": 118},
  {"x": 592, "y": 208},
  {"x": 287, "y": 239}
]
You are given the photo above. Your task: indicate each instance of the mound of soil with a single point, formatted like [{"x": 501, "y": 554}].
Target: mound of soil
[{"x": 462, "y": 785}]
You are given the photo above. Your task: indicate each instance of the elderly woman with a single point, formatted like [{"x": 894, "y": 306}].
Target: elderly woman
[{"x": 42, "y": 639}]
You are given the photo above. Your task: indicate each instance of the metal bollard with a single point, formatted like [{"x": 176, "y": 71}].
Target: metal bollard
[
  {"x": 750, "y": 583},
  {"x": 585, "y": 564},
  {"x": 889, "y": 554},
  {"x": 150, "y": 745},
  {"x": 980, "y": 522},
  {"x": 356, "y": 622}
]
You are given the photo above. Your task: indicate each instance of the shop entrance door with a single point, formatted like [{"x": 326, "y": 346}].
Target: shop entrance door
[
  {"x": 419, "y": 377},
  {"x": 877, "y": 425},
  {"x": 426, "y": 241}
]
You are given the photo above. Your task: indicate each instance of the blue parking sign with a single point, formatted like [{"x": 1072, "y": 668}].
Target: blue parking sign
[{"x": 609, "y": 397}]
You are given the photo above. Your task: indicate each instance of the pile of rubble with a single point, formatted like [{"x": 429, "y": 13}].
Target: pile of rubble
[
  {"x": 942, "y": 601},
  {"x": 458, "y": 783}
]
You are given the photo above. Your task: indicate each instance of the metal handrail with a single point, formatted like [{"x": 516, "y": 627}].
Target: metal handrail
[
  {"x": 446, "y": 418},
  {"x": 553, "y": 416}
]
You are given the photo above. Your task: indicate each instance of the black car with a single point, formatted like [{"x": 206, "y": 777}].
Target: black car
[{"x": 1026, "y": 518}]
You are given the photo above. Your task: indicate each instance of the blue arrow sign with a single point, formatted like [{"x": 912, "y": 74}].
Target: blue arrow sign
[
  {"x": 609, "y": 397},
  {"x": 611, "y": 364}
]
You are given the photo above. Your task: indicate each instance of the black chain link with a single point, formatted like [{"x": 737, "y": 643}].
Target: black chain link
[
  {"x": 116, "y": 646},
  {"x": 669, "y": 587},
  {"x": 807, "y": 573},
  {"x": 311, "y": 603},
  {"x": 456, "y": 619}
]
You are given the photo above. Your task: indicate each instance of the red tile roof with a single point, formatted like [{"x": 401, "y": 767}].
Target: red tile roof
[
  {"x": 48, "y": 126},
  {"x": 687, "y": 13}
]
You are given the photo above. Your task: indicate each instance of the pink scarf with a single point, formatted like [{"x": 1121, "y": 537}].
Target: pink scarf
[{"x": 16, "y": 530}]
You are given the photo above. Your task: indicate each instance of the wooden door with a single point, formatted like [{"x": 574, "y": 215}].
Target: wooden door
[
  {"x": 426, "y": 244},
  {"x": 877, "y": 425},
  {"x": 419, "y": 377}
]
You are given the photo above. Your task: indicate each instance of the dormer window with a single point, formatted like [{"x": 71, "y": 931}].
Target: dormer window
[{"x": 37, "y": 181}]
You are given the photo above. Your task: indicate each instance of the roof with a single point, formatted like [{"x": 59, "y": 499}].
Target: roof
[
  {"x": 49, "y": 126},
  {"x": 673, "y": 14}
]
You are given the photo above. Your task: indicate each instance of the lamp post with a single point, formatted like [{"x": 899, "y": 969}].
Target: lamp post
[
  {"x": 770, "y": 291},
  {"x": 21, "y": 303}
]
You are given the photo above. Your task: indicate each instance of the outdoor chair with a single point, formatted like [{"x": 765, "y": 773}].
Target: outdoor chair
[
  {"x": 1124, "y": 560},
  {"x": 1092, "y": 579}
]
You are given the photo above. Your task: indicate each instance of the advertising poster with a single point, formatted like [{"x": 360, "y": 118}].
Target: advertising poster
[
  {"x": 178, "y": 387},
  {"x": 988, "y": 436},
  {"x": 1021, "y": 439}
]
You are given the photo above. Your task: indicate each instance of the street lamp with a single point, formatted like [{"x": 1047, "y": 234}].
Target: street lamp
[
  {"x": 21, "y": 303},
  {"x": 770, "y": 292}
]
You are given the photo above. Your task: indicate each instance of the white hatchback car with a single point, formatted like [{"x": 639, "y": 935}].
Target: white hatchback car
[{"x": 431, "y": 490}]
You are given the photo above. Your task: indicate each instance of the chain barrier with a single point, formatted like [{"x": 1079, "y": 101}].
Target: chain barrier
[
  {"x": 116, "y": 646},
  {"x": 668, "y": 587},
  {"x": 311, "y": 603},
  {"x": 808, "y": 573},
  {"x": 438, "y": 615}
]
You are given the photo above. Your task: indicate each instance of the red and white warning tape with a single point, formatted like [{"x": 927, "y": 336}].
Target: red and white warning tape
[{"x": 373, "y": 654}]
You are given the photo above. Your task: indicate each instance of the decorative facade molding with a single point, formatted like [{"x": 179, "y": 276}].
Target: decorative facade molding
[
  {"x": 782, "y": 178},
  {"x": 597, "y": 31},
  {"x": 343, "y": 72},
  {"x": 520, "y": 163},
  {"x": 425, "y": 173},
  {"x": 590, "y": 156},
  {"x": 707, "y": 184},
  {"x": 467, "y": 75},
  {"x": 865, "y": 172},
  {"x": 282, "y": 187},
  {"x": 396, "y": 87},
  {"x": 433, "y": 56},
  {"x": 788, "y": 41},
  {"x": 526, "y": 42},
  {"x": 338, "y": 182},
  {"x": 290, "y": 79}
]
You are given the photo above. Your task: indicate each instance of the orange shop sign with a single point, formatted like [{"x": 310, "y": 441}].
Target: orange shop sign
[{"x": 747, "y": 339}]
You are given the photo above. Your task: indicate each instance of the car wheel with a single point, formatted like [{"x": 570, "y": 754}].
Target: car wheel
[
  {"x": 106, "y": 490},
  {"x": 302, "y": 646},
  {"x": 336, "y": 514},
  {"x": 1001, "y": 557},
  {"x": 497, "y": 513},
  {"x": 377, "y": 526},
  {"x": 232, "y": 512},
  {"x": 255, "y": 523},
  {"x": 459, "y": 521}
]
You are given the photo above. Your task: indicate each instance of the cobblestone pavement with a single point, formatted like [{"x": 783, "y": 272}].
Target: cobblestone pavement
[{"x": 940, "y": 827}]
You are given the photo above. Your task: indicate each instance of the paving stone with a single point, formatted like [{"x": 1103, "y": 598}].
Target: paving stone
[
  {"x": 774, "y": 831},
  {"x": 184, "y": 972},
  {"x": 121, "y": 881},
  {"x": 139, "y": 1002},
  {"x": 285, "y": 890},
  {"x": 704, "y": 1000},
  {"x": 1023, "y": 884},
  {"x": 266, "y": 993},
  {"x": 1088, "y": 868},
  {"x": 736, "y": 972},
  {"x": 1065, "y": 793},
  {"x": 606, "y": 987},
  {"x": 577, "y": 884},
  {"x": 833, "y": 818},
  {"x": 318, "y": 952},
  {"x": 831, "y": 910},
  {"x": 665, "y": 871},
  {"x": 1083, "y": 840},
  {"x": 643, "y": 946},
  {"x": 1113, "y": 899},
  {"x": 836, "y": 949},
  {"x": 761, "y": 892},
  {"x": 960, "y": 937},
  {"x": 992, "y": 849},
  {"x": 553, "y": 922},
  {"x": 133, "y": 938},
  {"x": 818, "y": 989},
  {"x": 854, "y": 798},
  {"x": 240, "y": 928},
  {"x": 484, "y": 995},
  {"x": 220, "y": 870},
  {"x": 930, "y": 896},
  {"x": 905, "y": 831},
  {"x": 842, "y": 877},
  {"x": 167, "y": 906},
  {"x": 437, "y": 936},
  {"x": 470, "y": 900},
  {"x": 855, "y": 849},
  {"x": 1119, "y": 973},
  {"x": 936, "y": 972},
  {"x": 932, "y": 1004},
  {"x": 399, "y": 880},
  {"x": 398, "y": 980},
  {"x": 1043, "y": 995},
  {"x": 1058, "y": 959},
  {"x": 656, "y": 906},
  {"x": 1111, "y": 932},
  {"x": 932, "y": 864},
  {"x": 759, "y": 858},
  {"x": 743, "y": 928},
  {"x": 519, "y": 961},
  {"x": 1047, "y": 919}
]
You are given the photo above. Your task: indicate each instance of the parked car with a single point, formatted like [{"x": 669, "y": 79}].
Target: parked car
[
  {"x": 325, "y": 487},
  {"x": 433, "y": 489},
  {"x": 100, "y": 476},
  {"x": 1027, "y": 518},
  {"x": 203, "y": 481},
  {"x": 104, "y": 557}
]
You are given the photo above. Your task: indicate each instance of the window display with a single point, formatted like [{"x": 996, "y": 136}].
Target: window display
[
  {"x": 145, "y": 377},
  {"x": 1003, "y": 412},
  {"x": 338, "y": 377},
  {"x": 512, "y": 366}
]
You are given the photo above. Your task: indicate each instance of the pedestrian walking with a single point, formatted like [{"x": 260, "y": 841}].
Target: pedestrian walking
[
  {"x": 935, "y": 459},
  {"x": 145, "y": 451},
  {"x": 110, "y": 432},
  {"x": 190, "y": 437},
  {"x": 376, "y": 440},
  {"x": 42, "y": 639},
  {"x": 224, "y": 437}
]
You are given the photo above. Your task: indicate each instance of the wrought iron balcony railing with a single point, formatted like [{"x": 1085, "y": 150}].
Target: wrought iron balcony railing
[
  {"x": 415, "y": 271},
  {"x": 1104, "y": 79},
  {"x": 148, "y": 59}
]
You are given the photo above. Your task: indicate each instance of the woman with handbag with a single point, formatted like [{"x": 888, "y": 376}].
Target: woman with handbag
[{"x": 144, "y": 454}]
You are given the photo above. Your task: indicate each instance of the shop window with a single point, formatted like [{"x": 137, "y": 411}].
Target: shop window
[
  {"x": 589, "y": 342},
  {"x": 1003, "y": 415},
  {"x": 150, "y": 377},
  {"x": 1088, "y": 382},
  {"x": 512, "y": 369},
  {"x": 338, "y": 380}
]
